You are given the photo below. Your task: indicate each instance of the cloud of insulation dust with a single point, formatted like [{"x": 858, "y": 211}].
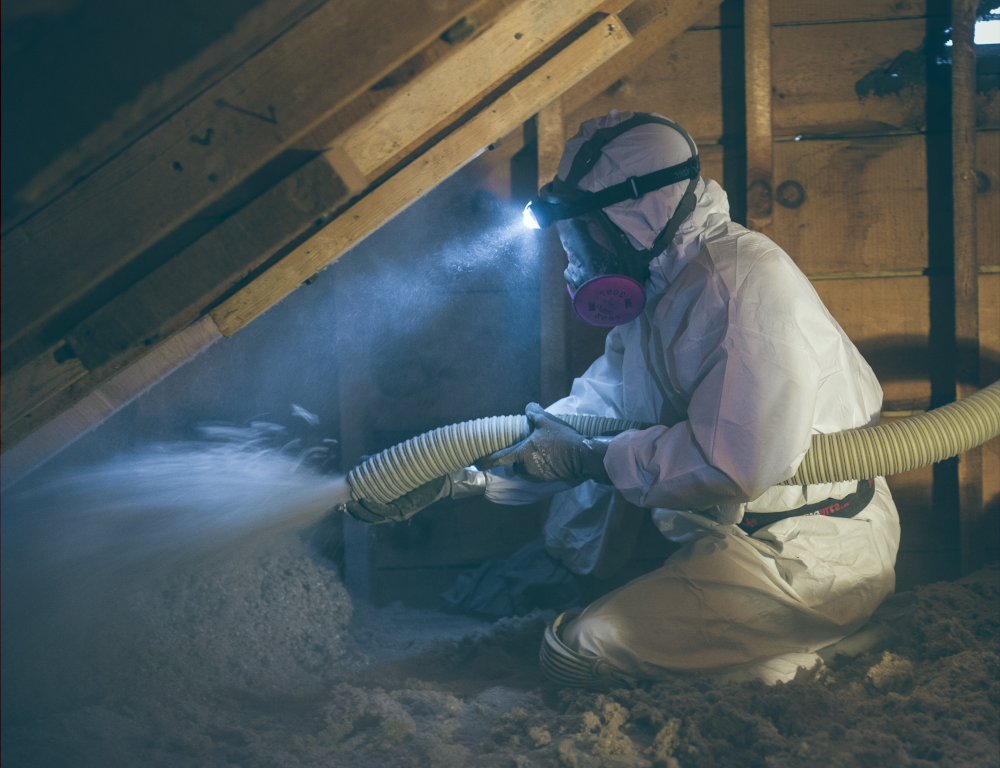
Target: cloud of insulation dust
[
  {"x": 166, "y": 501},
  {"x": 180, "y": 565},
  {"x": 410, "y": 273}
]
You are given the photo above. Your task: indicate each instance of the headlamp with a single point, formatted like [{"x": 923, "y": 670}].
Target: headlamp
[
  {"x": 529, "y": 218},
  {"x": 540, "y": 213}
]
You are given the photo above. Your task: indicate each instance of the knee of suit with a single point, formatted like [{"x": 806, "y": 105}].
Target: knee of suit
[{"x": 586, "y": 634}]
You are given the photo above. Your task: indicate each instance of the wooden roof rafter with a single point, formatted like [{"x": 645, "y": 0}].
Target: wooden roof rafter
[{"x": 468, "y": 96}]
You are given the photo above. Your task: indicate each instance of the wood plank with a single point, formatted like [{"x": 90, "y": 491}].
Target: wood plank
[
  {"x": 172, "y": 296},
  {"x": 658, "y": 32},
  {"x": 641, "y": 13},
  {"x": 44, "y": 377},
  {"x": 988, "y": 109},
  {"x": 865, "y": 274},
  {"x": 324, "y": 135},
  {"x": 964, "y": 193},
  {"x": 159, "y": 99},
  {"x": 988, "y": 200},
  {"x": 204, "y": 150},
  {"x": 864, "y": 207},
  {"x": 760, "y": 165},
  {"x": 443, "y": 93},
  {"x": 815, "y": 71},
  {"x": 818, "y": 11},
  {"x": 888, "y": 319},
  {"x": 989, "y": 371},
  {"x": 131, "y": 325},
  {"x": 555, "y": 380},
  {"x": 102, "y": 401},
  {"x": 787, "y": 12},
  {"x": 551, "y": 129},
  {"x": 710, "y": 156},
  {"x": 913, "y": 491},
  {"x": 496, "y": 174},
  {"x": 989, "y": 328},
  {"x": 14, "y": 431},
  {"x": 868, "y": 76},
  {"x": 439, "y": 162},
  {"x": 923, "y": 537},
  {"x": 681, "y": 80},
  {"x": 920, "y": 524}
]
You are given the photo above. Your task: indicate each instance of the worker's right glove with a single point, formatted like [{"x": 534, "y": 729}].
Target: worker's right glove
[
  {"x": 553, "y": 451},
  {"x": 458, "y": 485}
]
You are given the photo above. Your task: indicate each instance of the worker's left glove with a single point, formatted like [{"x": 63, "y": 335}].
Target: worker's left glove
[
  {"x": 553, "y": 451},
  {"x": 457, "y": 485}
]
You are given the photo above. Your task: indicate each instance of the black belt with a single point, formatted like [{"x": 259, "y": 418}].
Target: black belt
[{"x": 849, "y": 506}]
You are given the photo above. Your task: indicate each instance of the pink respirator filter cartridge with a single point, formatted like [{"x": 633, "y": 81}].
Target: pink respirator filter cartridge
[{"x": 609, "y": 300}]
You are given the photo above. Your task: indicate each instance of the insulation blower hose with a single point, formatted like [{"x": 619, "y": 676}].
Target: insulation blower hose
[{"x": 853, "y": 454}]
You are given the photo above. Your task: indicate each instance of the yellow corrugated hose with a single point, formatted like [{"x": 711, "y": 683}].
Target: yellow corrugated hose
[{"x": 854, "y": 454}]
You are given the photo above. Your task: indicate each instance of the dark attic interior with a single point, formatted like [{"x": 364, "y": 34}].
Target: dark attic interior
[{"x": 248, "y": 244}]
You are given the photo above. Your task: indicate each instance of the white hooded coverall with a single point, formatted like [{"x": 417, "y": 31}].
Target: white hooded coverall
[{"x": 738, "y": 360}]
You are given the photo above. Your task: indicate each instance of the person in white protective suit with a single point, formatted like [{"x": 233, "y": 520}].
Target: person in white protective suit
[{"x": 728, "y": 349}]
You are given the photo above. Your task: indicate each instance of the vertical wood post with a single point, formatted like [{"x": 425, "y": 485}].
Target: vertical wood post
[
  {"x": 551, "y": 136},
  {"x": 963, "y": 152},
  {"x": 550, "y": 123},
  {"x": 757, "y": 47},
  {"x": 354, "y": 439}
]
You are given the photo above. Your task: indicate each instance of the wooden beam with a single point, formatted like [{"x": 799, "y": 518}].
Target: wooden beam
[
  {"x": 30, "y": 386},
  {"x": 105, "y": 400},
  {"x": 641, "y": 13},
  {"x": 760, "y": 162},
  {"x": 964, "y": 191},
  {"x": 173, "y": 296},
  {"x": 443, "y": 159},
  {"x": 156, "y": 102},
  {"x": 439, "y": 97},
  {"x": 653, "y": 25},
  {"x": 206, "y": 149},
  {"x": 167, "y": 300},
  {"x": 551, "y": 138},
  {"x": 555, "y": 380},
  {"x": 324, "y": 136},
  {"x": 57, "y": 400}
]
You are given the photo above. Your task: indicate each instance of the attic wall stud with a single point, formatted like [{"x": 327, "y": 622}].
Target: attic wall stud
[
  {"x": 757, "y": 46},
  {"x": 555, "y": 377},
  {"x": 965, "y": 183}
]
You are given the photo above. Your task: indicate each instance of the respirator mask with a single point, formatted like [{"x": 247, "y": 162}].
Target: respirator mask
[{"x": 606, "y": 273}]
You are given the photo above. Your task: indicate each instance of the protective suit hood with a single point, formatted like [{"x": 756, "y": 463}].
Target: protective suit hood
[{"x": 642, "y": 150}]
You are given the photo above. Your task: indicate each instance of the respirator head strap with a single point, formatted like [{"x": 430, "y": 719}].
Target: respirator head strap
[
  {"x": 588, "y": 155},
  {"x": 548, "y": 211},
  {"x": 562, "y": 199},
  {"x": 684, "y": 209}
]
